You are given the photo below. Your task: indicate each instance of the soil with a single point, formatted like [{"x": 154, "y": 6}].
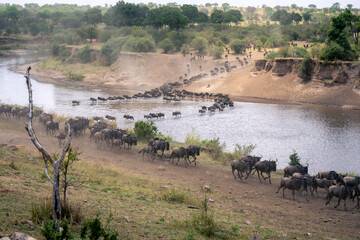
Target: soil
[
  {"x": 307, "y": 219},
  {"x": 144, "y": 71}
]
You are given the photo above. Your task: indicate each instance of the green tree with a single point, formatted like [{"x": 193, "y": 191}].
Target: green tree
[
  {"x": 237, "y": 45},
  {"x": 166, "y": 16},
  {"x": 237, "y": 14},
  {"x": 225, "y": 6},
  {"x": 89, "y": 32},
  {"x": 199, "y": 44},
  {"x": 305, "y": 68},
  {"x": 34, "y": 29},
  {"x": 92, "y": 16},
  {"x": 84, "y": 54},
  {"x": 307, "y": 17},
  {"x": 139, "y": 44},
  {"x": 12, "y": 13},
  {"x": 190, "y": 11},
  {"x": 296, "y": 17},
  {"x": 217, "y": 16},
  {"x": 353, "y": 23},
  {"x": 145, "y": 131},
  {"x": 126, "y": 14},
  {"x": 167, "y": 45},
  {"x": 294, "y": 159}
]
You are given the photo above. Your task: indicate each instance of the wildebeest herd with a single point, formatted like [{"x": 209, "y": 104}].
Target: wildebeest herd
[{"x": 296, "y": 178}]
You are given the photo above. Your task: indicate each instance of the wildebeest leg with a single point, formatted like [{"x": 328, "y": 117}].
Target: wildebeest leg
[
  {"x": 284, "y": 192},
  {"x": 247, "y": 175},
  {"x": 258, "y": 175},
  {"x": 178, "y": 160},
  {"x": 162, "y": 154},
  {"x": 345, "y": 204},
  {"x": 329, "y": 197},
  {"x": 293, "y": 193},
  {"x": 269, "y": 178},
  {"x": 239, "y": 174},
  {"x": 338, "y": 203},
  {"x": 233, "y": 170}
]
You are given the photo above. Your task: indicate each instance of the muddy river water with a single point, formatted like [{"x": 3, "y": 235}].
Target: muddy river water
[{"x": 326, "y": 138}]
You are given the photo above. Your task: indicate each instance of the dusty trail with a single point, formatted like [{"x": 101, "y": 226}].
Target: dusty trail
[{"x": 258, "y": 201}]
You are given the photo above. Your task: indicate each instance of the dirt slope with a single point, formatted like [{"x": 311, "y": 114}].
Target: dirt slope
[{"x": 258, "y": 201}]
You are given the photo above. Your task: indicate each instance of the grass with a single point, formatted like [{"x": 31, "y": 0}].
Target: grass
[{"x": 155, "y": 209}]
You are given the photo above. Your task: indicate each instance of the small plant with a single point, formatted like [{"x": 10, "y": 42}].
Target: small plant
[
  {"x": 76, "y": 77},
  {"x": 50, "y": 232},
  {"x": 294, "y": 159},
  {"x": 93, "y": 229},
  {"x": 204, "y": 222}
]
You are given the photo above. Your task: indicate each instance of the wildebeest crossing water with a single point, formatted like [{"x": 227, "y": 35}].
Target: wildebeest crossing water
[{"x": 326, "y": 138}]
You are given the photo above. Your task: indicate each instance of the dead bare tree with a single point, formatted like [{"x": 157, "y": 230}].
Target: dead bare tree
[{"x": 55, "y": 180}]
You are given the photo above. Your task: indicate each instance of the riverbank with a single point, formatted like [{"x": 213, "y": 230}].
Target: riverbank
[
  {"x": 122, "y": 183},
  {"x": 242, "y": 84}
]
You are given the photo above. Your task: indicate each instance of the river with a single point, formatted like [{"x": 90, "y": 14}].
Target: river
[{"x": 326, "y": 138}]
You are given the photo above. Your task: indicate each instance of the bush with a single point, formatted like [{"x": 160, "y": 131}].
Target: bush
[
  {"x": 139, "y": 44},
  {"x": 144, "y": 130},
  {"x": 243, "y": 150},
  {"x": 300, "y": 52},
  {"x": 294, "y": 159},
  {"x": 167, "y": 45},
  {"x": 41, "y": 211},
  {"x": 185, "y": 49},
  {"x": 93, "y": 229},
  {"x": 273, "y": 55},
  {"x": 216, "y": 52},
  {"x": 50, "y": 232},
  {"x": 84, "y": 54},
  {"x": 76, "y": 77},
  {"x": 55, "y": 49},
  {"x": 199, "y": 44},
  {"x": 305, "y": 68},
  {"x": 112, "y": 48},
  {"x": 204, "y": 222},
  {"x": 237, "y": 45}
]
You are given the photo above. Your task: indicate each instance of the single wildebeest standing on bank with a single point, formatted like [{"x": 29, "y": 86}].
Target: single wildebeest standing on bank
[
  {"x": 267, "y": 167},
  {"x": 293, "y": 184},
  {"x": 341, "y": 192},
  {"x": 179, "y": 152},
  {"x": 322, "y": 183},
  {"x": 159, "y": 145},
  {"x": 241, "y": 166},
  {"x": 193, "y": 151}
]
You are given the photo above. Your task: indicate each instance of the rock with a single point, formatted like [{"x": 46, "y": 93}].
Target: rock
[
  {"x": 5, "y": 238},
  {"x": 161, "y": 168},
  {"x": 309, "y": 234},
  {"x": 127, "y": 219},
  {"x": 193, "y": 207},
  {"x": 21, "y": 236},
  {"x": 206, "y": 188},
  {"x": 12, "y": 148},
  {"x": 211, "y": 200},
  {"x": 248, "y": 223}
]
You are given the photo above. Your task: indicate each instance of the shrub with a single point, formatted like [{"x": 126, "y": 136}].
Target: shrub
[
  {"x": 273, "y": 55},
  {"x": 41, "y": 211},
  {"x": 112, "y": 48},
  {"x": 50, "y": 232},
  {"x": 294, "y": 159},
  {"x": 144, "y": 130},
  {"x": 204, "y": 222},
  {"x": 167, "y": 45},
  {"x": 305, "y": 68},
  {"x": 55, "y": 49},
  {"x": 76, "y": 77},
  {"x": 216, "y": 52},
  {"x": 243, "y": 150},
  {"x": 199, "y": 44},
  {"x": 84, "y": 54},
  {"x": 237, "y": 45},
  {"x": 93, "y": 229},
  {"x": 139, "y": 44}
]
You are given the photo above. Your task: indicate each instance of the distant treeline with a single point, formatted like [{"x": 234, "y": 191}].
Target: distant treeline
[{"x": 143, "y": 28}]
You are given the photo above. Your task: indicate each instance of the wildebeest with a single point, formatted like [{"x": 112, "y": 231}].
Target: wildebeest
[
  {"x": 341, "y": 192},
  {"x": 322, "y": 183},
  {"x": 110, "y": 117},
  {"x": 267, "y": 167},
  {"x": 293, "y": 184},
  {"x": 128, "y": 117},
  {"x": 129, "y": 139},
  {"x": 159, "y": 145},
  {"x": 290, "y": 170},
  {"x": 241, "y": 166},
  {"x": 51, "y": 127},
  {"x": 177, "y": 113},
  {"x": 252, "y": 160},
  {"x": 179, "y": 152},
  {"x": 193, "y": 151},
  {"x": 75, "y": 102},
  {"x": 331, "y": 175},
  {"x": 60, "y": 137}
]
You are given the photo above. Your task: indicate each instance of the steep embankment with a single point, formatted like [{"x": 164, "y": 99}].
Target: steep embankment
[{"x": 332, "y": 83}]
